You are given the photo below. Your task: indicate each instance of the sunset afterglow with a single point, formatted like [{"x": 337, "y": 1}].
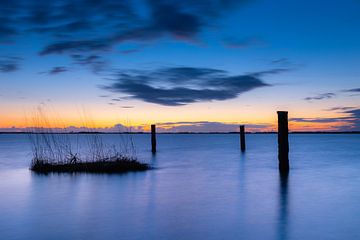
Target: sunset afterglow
[{"x": 229, "y": 64}]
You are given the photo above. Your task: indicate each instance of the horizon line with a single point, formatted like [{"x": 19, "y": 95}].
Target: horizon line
[{"x": 148, "y": 132}]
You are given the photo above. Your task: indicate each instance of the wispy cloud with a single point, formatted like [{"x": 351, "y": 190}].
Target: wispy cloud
[
  {"x": 330, "y": 95},
  {"x": 352, "y": 90},
  {"x": 318, "y": 120},
  {"x": 7, "y": 31},
  {"x": 321, "y": 96},
  {"x": 273, "y": 71},
  {"x": 281, "y": 61},
  {"x": 354, "y": 116},
  {"x": 130, "y": 51},
  {"x": 95, "y": 63},
  {"x": 349, "y": 121},
  {"x": 184, "y": 85},
  {"x": 339, "y": 109},
  {"x": 57, "y": 70},
  {"x": 9, "y": 64}
]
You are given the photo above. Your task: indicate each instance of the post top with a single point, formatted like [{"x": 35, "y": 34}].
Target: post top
[{"x": 282, "y": 112}]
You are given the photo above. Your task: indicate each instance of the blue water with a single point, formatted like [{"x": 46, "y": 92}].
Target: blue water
[{"x": 203, "y": 187}]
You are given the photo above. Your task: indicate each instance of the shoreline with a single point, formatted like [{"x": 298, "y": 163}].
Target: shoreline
[{"x": 132, "y": 133}]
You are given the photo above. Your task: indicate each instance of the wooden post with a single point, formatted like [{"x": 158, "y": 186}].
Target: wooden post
[
  {"x": 242, "y": 138},
  {"x": 283, "y": 141},
  {"x": 153, "y": 138}
]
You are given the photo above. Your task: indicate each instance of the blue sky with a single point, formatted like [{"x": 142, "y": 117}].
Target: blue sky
[{"x": 162, "y": 61}]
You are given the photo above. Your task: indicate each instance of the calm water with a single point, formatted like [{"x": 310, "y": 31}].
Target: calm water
[{"x": 203, "y": 188}]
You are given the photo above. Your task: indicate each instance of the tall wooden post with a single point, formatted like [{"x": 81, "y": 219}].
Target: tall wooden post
[
  {"x": 153, "y": 138},
  {"x": 283, "y": 141},
  {"x": 242, "y": 138}
]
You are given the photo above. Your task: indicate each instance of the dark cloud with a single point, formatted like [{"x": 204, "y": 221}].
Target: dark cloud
[
  {"x": 6, "y": 32},
  {"x": 90, "y": 25},
  {"x": 317, "y": 120},
  {"x": 66, "y": 28},
  {"x": 129, "y": 51},
  {"x": 341, "y": 109},
  {"x": 9, "y": 64},
  {"x": 350, "y": 121},
  {"x": 285, "y": 62},
  {"x": 77, "y": 46},
  {"x": 95, "y": 62},
  {"x": 270, "y": 72},
  {"x": 354, "y": 116},
  {"x": 353, "y": 90},
  {"x": 183, "y": 85},
  {"x": 243, "y": 42},
  {"x": 7, "y": 28},
  {"x": 169, "y": 18},
  {"x": 57, "y": 70},
  {"x": 321, "y": 96},
  {"x": 281, "y": 61}
]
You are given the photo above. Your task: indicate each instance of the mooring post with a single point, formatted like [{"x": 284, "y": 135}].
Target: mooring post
[
  {"x": 283, "y": 141},
  {"x": 153, "y": 138},
  {"x": 242, "y": 138}
]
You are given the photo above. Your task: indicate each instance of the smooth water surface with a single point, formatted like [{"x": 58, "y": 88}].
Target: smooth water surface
[{"x": 203, "y": 187}]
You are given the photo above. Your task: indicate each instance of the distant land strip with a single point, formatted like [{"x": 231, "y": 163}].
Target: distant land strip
[{"x": 274, "y": 132}]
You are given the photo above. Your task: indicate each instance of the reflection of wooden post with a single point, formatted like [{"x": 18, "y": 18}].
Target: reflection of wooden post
[
  {"x": 153, "y": 138},
  {"x": 242, "y": 138},
  {"x": 283, "y": 141}
]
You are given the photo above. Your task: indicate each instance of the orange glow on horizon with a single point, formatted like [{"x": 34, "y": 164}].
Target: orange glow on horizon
[
  {"x": 142, "y": 117},
  {"x": 272, "y": 126}
]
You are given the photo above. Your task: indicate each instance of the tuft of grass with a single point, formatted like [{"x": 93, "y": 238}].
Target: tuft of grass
[{"x": 64, "y": 152}]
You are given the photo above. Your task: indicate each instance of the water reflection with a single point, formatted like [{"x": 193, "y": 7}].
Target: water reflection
[
  {"x": 199, "y": 181},
  {"x": 283, "y": 217}
]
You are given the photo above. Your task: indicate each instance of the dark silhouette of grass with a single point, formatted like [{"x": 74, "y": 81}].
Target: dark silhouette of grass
[
  {"x": 54, "y": 152},
  {"x": 118, "y": 165}
]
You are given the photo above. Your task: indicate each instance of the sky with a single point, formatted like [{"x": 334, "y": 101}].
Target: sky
[{"x": 202, "y": 66}]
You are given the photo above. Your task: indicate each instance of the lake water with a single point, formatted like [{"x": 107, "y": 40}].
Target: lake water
[{"x": 203, "y": 187}]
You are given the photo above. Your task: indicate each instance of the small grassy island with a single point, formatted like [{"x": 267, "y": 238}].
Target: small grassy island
[
  {"x": 82, "y": 152},
  {"x": 116, "y": 165}
]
